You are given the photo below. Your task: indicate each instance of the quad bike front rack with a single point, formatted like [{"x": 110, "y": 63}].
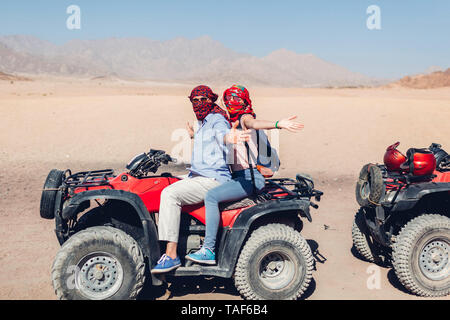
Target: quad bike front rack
[{"x": 88, "y": 179}]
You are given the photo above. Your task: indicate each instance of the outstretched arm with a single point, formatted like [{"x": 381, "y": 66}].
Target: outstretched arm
[
  {"x": 288, "y": 123},
  {"x": 228, "y": 136}
]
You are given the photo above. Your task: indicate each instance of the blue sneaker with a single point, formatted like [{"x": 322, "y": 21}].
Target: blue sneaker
[
  {"x": 166, "y": 264},
  {"x": 204, "y": 255}
]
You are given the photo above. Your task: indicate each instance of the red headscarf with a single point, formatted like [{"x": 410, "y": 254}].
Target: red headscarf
[
  {"x": 235, "y": 109},
  {"x": 203, "y": 108}
]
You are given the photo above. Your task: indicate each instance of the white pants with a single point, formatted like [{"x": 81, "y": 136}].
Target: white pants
[{"x": 184, "y": 192}]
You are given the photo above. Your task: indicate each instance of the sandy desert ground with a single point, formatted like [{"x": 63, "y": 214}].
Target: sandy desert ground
[{"x": 97, "y": 124}]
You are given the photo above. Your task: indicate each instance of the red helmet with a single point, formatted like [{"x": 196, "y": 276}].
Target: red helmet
[
  {"x": 420, "y": 162},
  {"x": 393, "y": 158}
]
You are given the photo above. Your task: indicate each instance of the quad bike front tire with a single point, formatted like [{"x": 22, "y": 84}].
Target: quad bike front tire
[
  {"x": 276, "y": 263},
  {"x": 48, "y": 196},
  {"x": 361, "y": 238},
  {"x": 421, "y": 255},
  {"x": 99, "y": 263}
]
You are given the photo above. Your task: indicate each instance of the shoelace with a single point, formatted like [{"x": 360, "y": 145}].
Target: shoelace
[
  {"x": 163, "y": 259},
  {"x": 203, "y": 250}
]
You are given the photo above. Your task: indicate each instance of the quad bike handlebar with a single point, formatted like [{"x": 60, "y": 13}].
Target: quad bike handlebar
[
  {"x": 144, "y": 163},
  {"x": 138, "y": 167},
  {"x": 442, "y": 157}
]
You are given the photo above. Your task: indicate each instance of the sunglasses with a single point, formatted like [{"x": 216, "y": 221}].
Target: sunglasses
[
  {"x": 234, "y": 98},
  {"x": 199, "y": 99}
]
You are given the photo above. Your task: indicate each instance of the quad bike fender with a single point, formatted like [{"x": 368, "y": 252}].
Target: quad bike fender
[
  {"x": 71, "y": 209},
  {"x": 409, "y": 197},
  {"x": 151, "y": 249},
  {"x": 248, "y": 216},
  {"x": 237, "y": 234}
]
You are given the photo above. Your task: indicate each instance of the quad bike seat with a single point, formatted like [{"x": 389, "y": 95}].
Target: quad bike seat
[{"x": 242, "y": 203}]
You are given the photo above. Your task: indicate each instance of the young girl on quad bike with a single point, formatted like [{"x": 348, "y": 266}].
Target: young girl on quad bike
[{"x": 245, "y": 181}]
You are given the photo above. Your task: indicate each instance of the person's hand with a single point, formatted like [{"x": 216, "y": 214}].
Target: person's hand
[
  {"x": 190, "y": 129},
  {"x": 236, "y": 136},
  {"x": 290, "y": 125}
]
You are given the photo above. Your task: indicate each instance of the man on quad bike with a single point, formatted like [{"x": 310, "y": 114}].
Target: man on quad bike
[{"x": 247, "y": 172}]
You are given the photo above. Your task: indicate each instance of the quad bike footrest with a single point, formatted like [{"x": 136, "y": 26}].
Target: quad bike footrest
[{"x": 197, "y": 270}]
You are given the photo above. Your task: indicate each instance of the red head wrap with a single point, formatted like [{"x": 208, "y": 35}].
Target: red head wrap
[
  {"x": 203, "y": 108},
  {"x": 234, "y": 108}
]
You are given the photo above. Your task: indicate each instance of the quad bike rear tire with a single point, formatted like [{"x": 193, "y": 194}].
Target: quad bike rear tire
[
  {"x": 275, "y": 263},
  {"x": 48, "y": 197},
  {"x": 362, "y": 240},
  {"x": 370, "y": 186},
  {"x": 99, "y": 263},
  {"x": 421, "y": 255}
]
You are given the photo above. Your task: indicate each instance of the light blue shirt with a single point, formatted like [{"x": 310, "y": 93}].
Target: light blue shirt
[{"x": 210, "y": 152}]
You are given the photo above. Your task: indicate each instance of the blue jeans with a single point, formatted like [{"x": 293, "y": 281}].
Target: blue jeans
[{"x": 239, "y": 187}]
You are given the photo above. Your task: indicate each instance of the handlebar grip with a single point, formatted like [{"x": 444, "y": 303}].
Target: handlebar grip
[{"x": 312, "y": 204}]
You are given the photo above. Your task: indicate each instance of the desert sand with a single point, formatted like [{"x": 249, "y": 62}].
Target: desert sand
[{"x": 96, "y": 124}]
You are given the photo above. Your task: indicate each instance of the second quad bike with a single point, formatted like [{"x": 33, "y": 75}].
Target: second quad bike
[
  {"x": 404, "y": 218},
  {"x": 107, "y": 227}
]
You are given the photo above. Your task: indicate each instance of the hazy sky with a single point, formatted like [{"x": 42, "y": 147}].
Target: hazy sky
[{"x": 414, "y": 35}]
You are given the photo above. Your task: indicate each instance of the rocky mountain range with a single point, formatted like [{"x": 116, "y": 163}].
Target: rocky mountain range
[
  {"x": 436, "y": 79},
  {"x": 182, "y": 60}
]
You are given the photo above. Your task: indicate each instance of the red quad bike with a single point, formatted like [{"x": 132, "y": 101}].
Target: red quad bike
[
  {"x": 107, "y": 249},
  {"x": 404, "y": 219}
]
